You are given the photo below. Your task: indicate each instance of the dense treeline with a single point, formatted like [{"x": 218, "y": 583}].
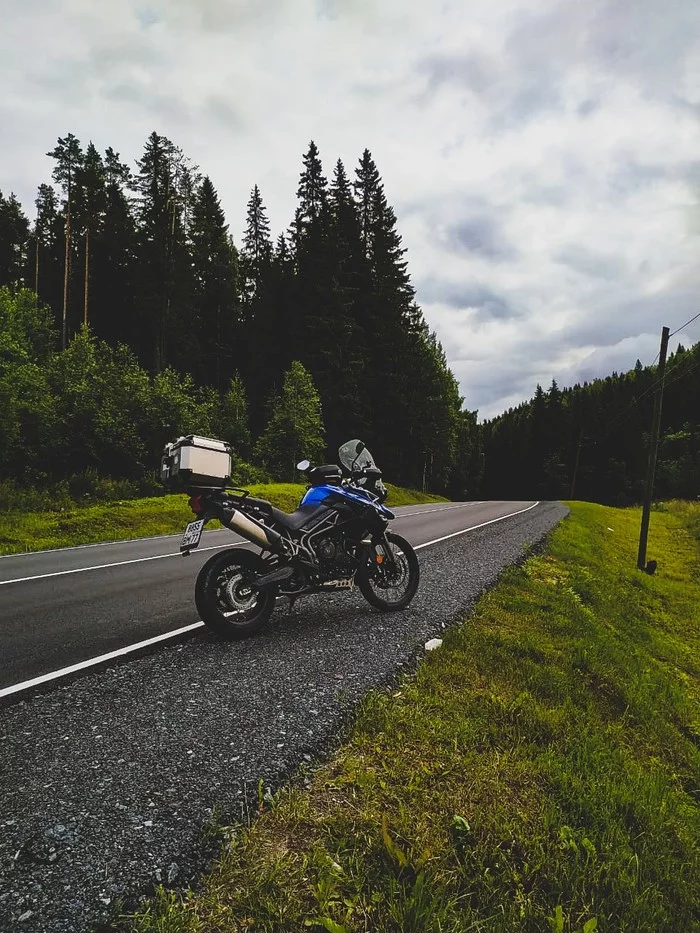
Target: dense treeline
[
  {"x": 89, "y": 420},
  {"x": 138, "y": 269},
  {"x": 599, "y": 432}
]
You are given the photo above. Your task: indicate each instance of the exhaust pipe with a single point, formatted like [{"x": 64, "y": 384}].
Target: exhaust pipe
[{"x": 265, "y": 538}]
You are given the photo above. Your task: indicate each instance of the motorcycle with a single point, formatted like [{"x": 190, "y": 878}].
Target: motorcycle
[{"x": 335, "y": 540}]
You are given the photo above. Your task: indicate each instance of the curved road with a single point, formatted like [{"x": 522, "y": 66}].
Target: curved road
[
  {"x": 59, "y": 608},
  {"x": 107, "y": 781}
]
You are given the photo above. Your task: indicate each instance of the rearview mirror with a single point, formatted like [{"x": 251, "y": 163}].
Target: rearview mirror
[{"x": 303, "y": 465}]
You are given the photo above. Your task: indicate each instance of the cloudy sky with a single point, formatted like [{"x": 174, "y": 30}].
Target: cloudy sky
[{"x": 543, "y": 156}]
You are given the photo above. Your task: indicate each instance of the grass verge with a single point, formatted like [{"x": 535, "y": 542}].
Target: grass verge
[
  {"x": 21, "y": 532},
  {"x": 539, "y": 772}
]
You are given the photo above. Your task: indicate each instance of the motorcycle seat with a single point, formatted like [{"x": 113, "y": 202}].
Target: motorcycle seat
[{"x": 296, "y": 520}]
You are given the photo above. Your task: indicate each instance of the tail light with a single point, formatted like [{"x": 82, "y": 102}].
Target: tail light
[{"x": 195, "y": 503}]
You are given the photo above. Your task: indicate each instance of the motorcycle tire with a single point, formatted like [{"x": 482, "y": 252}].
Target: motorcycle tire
[
  {"x": 374, "y": 580},
  {"x": 224, "y": 599}
]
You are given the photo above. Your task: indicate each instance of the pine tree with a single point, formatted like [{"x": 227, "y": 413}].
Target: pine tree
[{"x": 69, "y": 156}]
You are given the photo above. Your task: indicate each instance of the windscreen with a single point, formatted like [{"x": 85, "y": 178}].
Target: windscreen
[{"x": 355, "y": 456}]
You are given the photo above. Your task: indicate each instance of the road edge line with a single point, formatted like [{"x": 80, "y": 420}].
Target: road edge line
[
  {"x": 465, "y": 531},
  {"x": 30, "y": 685},
  {"x": 100, "y": 659},
  {"x": 117, "y": 563}
]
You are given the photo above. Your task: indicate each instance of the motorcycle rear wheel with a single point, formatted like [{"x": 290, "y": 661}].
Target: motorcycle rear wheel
[
  {"x": 224, "y": 598},
  {"x": 389, "y": 583}
]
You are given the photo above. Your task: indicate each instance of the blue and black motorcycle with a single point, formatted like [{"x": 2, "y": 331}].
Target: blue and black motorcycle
[{"x": 335, "y": 540}]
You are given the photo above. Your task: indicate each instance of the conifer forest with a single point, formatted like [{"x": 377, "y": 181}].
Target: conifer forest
[{"x": 128, "y": 316}]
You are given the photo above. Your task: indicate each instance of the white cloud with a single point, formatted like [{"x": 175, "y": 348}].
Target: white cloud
[{"x": 543, "y": 156}]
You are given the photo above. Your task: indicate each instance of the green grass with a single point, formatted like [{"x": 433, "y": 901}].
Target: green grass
[
  {"x": 400, "y": 496},
  {"x": 539, "y": 772},
  {"x": 138, "y": 518}
]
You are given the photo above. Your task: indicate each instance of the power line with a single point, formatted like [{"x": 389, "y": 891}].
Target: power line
[
  {"x": 684, "y": 325},
  {"x": 678, "y": 364},
  {"x": 685, "y": 372}
]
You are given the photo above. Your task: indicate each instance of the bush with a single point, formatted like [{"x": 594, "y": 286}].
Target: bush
[{"x": 246, "y": 474}]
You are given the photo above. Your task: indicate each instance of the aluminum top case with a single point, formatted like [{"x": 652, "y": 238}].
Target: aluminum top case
[{"x": 195, "y": 461}]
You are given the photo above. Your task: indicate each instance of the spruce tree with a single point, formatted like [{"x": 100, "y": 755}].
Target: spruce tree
[
  {"x": 295, "y": 426},
  {"x": 47, "y": 241},
  {"x": 257, "y": 246},
  {"x": 232, "y": 418},
  {"x": 118, "y": 316},
  {"x": 263, "y": 331},
  {"x": 367, "y": 187},
  {"x": 215, "y": 268},
  {"x": 165, "y": 182},
  {"x": 14, "y": 238},
  {"x": 313, "y": 197},
  {"x": 90, "y": 183}
]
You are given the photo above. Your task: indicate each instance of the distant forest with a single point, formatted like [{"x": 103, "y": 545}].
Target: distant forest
[
  {"x": 128, "y": 316},
  {"x": 598, "y": 434}
]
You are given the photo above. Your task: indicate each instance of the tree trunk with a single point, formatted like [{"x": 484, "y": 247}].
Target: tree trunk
[
  {"x": 66, "y": 276},
  {"x": 36, "y": 269},
  {"x": 87, "y": 274}
]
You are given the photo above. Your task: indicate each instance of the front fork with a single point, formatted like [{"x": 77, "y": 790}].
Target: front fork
[{"x": 383, "y": 562}]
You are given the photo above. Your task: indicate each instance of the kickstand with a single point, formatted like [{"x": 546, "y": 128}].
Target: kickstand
[{"x": 292, "y": 601}]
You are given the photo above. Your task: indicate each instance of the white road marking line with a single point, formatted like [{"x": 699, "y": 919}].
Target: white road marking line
[
  {"x": 138, "y": 560},
  {"x": 118, "y": 563},
  {"x": 81, "y": 665},
  {"x": 175, "y": 534},
  {"x": 81, "y": 547},
  {"x": 465, "y": 531},
  {"x": 129, "y": 649},
  {"x": 449, "y": 508}
]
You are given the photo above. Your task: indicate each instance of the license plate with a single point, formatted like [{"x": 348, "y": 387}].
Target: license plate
[{"x": 192, "y": 534}]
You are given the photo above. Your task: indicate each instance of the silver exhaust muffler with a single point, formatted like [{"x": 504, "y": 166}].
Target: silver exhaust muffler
[{"x": 266, "y": 538}]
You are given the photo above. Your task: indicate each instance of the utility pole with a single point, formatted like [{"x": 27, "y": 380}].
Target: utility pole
[
  {"x": 578, "y": 455},
  {"x": 653, "y": 448}
]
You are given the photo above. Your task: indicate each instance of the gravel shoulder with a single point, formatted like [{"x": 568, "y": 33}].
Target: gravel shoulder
[{"x": 107, "y": 784}]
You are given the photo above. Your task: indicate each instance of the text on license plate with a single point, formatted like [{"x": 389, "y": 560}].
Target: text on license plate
[{"x": 192, "y": 534}]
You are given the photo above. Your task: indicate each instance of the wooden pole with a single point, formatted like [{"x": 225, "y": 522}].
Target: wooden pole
[
  {"x": 653, "y": 448},
  {"x": 578, "y": 455}
]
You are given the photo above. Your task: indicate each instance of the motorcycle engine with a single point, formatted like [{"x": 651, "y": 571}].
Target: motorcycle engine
[
  {"x": 333, "y": 557},
  {"x": 327, "y": 550}
]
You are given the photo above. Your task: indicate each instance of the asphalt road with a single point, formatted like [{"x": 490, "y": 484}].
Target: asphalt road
[
  {"x": 62, "y": 607},
  {"x": 107, "y": 782}
]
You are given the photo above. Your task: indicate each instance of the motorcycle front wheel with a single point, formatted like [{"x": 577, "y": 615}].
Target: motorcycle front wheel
[
  {"x": 388, "y": 578},
  {"x": 225, "y": 600}
]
